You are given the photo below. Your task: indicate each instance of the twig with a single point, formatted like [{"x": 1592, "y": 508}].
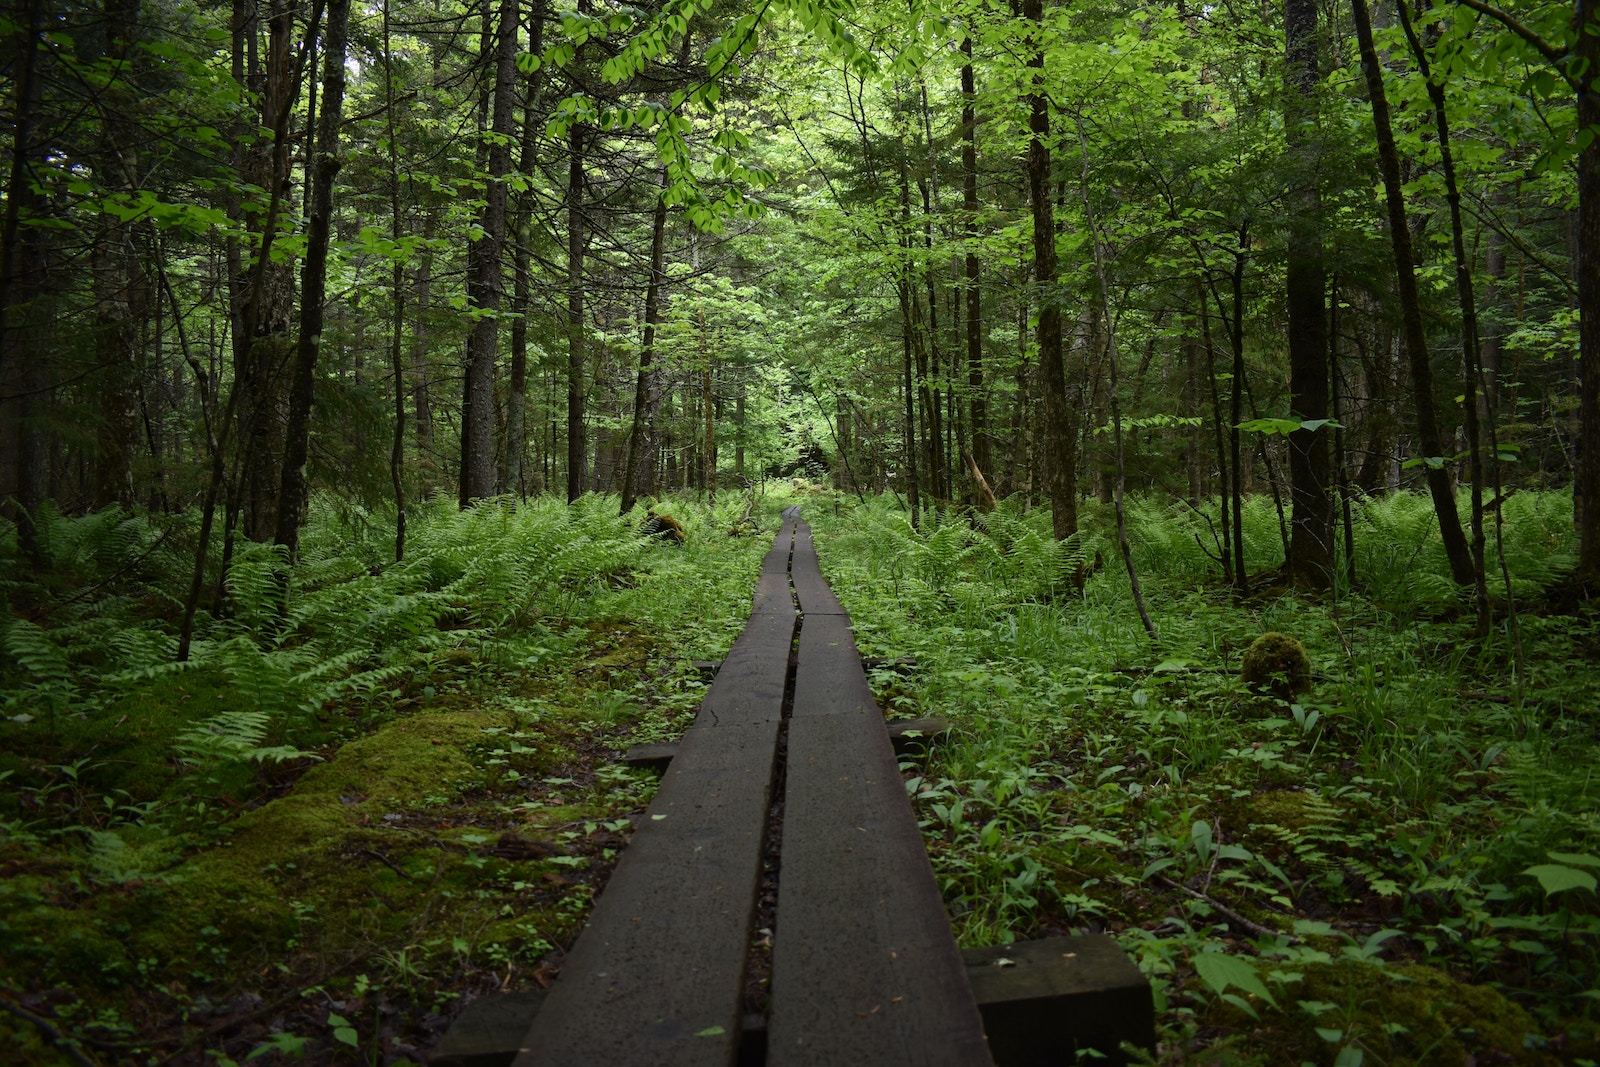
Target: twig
[
  {"x": 52, "y": 1034},
  {"x": 1228, "y": 913}
]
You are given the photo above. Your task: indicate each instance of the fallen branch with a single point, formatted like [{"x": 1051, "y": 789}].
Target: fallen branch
[
  {"x": 1233, "y": 917},
  {"x": 52, "y": 1034}
]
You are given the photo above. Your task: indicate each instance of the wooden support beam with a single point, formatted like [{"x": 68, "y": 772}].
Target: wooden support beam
[
  {"x": 1044, "y": 1002},
  {"x": 909, "y": 737}
]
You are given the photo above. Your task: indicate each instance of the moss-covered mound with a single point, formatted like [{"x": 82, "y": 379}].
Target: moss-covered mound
[
  {"x": 1276, "y": 663},
  {"x": 1409, "y": 1013}
]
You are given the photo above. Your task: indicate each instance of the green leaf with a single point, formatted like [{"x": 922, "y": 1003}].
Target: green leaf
[
  {"x": 1558, "y": 878},
  {"x": 710, "y": 1031},
  {"x": 1575, "y": 859},
  {"x": 1270, "y": 426},
  {"x": 1221, "y": 972}
]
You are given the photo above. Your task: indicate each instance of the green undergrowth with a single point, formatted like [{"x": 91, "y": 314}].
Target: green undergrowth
[
  {"x": 312, "y": 838},
  {"x": 1397, "y": 866}
]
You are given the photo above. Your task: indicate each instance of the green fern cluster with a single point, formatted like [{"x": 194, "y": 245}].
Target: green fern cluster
[{"x": 345, "y": 626}]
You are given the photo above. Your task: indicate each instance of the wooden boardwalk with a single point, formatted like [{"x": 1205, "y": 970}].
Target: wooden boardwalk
[{"x": 788, "y": 767}]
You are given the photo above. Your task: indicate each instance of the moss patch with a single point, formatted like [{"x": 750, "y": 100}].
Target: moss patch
[{"x": 1409, "y": 1013}]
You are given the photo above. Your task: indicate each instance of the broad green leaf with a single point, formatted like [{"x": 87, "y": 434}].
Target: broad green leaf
[
  {"x": 1558, "y": 878},
  {"x": 1222, "y": 972}
]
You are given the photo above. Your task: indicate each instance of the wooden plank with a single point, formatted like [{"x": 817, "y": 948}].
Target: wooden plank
[
  {"x": 865, "y": 969},
  {"x": 772, "y": 584},
  {"x": 658, "y": 972},
  {"x": 657, "y": 975},
  {"x": 829, "y": 680},
  {"x": 816, "y": 597},
  {"x": 653, "y": 757},
  {"x": 749, "y": 687},
  {"x": 488, "y": 1031}
]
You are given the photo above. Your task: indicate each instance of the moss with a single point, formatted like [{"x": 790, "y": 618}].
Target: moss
[
  {"x": 291, "y": 859},
  {"x": 1404, "y": 1013},
  {"x": 1276, "y": 663}
]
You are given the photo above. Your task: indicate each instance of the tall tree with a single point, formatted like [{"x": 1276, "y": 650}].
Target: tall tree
[
  {"x": 977, "y": 401},
  {"x": 1309, "y": 561},
  {"x": 1060, "y": 433},
  {"x": 1416, "y": 339},
  {"x": 313, "y": 279},
  {"x": 484, "y": 272},
  {"x": 577, "y": 445}
]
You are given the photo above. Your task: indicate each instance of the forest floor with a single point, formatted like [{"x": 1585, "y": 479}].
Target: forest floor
[{"x": 331, "y": 829}]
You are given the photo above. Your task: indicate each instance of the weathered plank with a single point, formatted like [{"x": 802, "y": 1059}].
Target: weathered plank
[
  {"x": 812, "y": 590},
  {"x": 906, "y": 735},
  {"x": 864, "y": 967},
  {"x": 749, "y": 687},
  {"x": 657, "y": 974},
  {"x": 829, "y": 679},
  {"x": 772, "y": 584}
]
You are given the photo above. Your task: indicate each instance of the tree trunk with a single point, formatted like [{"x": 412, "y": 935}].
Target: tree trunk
[
  {"x": 516, "y": 476},
  {"x": 484, "y": 276},
  {"x": 1060, "y": 434},
  {"x": 1309, "y": 562},
  {"x": 1469, "y": 321},
  {"x": 397, "y": 298},
  {"x": 577, "y": 450},
  {"x": 647, "y": 348},
  {"x": 313, "y": 280},
  {"x": 265, "y": 297},
  {"x": 23, "y": 284},
  {"x": 977, "y": 402},
  {"x": 1428, "y": 436},
  {"x": 1586, "y": 24}
]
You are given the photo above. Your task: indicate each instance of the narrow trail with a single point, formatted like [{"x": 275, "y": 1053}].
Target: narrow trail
[{"x": 777, "y": 905}]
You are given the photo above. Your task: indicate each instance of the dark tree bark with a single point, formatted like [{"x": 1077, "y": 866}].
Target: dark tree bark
[
  {"x": 1060, "y": 432},
  {"x": 977, "y": 401},
  {"x": 22, "y": 285},
  {"x": 1469, "y": 320},
  {"x": 577, "y": 446},
  {"x": 313, "y": 280},
  {"x": 1309, "y": 562},
  {"x": 265, "y": 294},
  {"x": 397, "y": 298},
  {"x": 645, "y": 384},
  {"x": 1586, "y": 24},
  {"x": 484, "y": 274},
  {"x": 1428, "y": 436},
  {"x": 516, "y": 477}
]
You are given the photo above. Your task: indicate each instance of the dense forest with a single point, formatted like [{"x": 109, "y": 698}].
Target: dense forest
[{"x": 354, "y": 356}]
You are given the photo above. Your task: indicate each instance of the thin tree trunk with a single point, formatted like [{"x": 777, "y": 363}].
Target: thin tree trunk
[
  {"x": 516, "y": 478},
  {"x": 1060, "y": 434},
  {"x": 1586, "y": 52},
  {"x": 1120, "y": 486},
  {"x": 647, "y": 349},
  {"x": 22, "y": 285},
  {"x": 977, "y": 401},
  {"x": 1428, "y": 436},
  {"x": 1469, "y": 321},
  {"x": 1224, "y": 477},
  {"x": 397, "y": 444},
  {"x": 313, "y": 281},
  {"x": 577, "y": 453}
]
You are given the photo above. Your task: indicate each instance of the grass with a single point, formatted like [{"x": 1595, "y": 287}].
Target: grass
[{"x": 1386, "y": 830}]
